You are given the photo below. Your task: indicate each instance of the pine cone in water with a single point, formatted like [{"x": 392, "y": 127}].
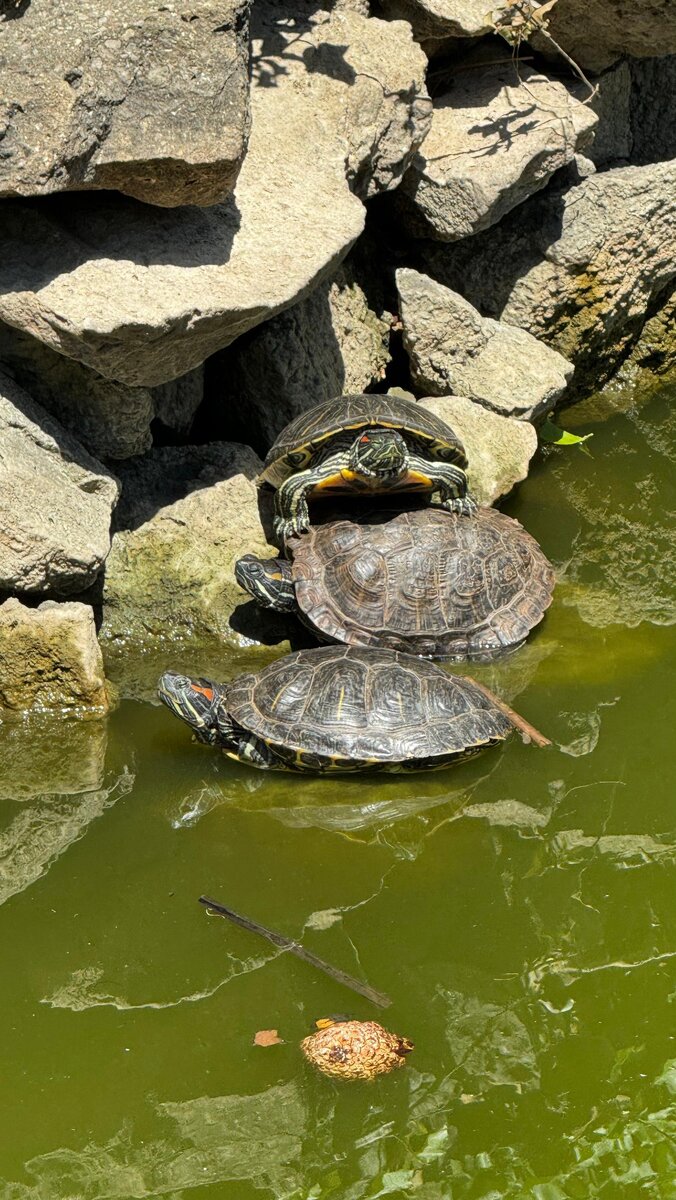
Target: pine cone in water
[{"x": 355, "y": 1049}]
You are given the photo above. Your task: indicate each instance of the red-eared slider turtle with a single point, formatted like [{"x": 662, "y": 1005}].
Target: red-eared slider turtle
[
  {"x": 355, "y": 1049},
  {"x": 363, "y": 444},
  {"x": 426, "y": 582},
  {"x": 340, "y": 708}
]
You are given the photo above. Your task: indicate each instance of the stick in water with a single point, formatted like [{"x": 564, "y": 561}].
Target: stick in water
[
  {"x": 285, "y": 943},
  {"x": 528, "y": 732}
]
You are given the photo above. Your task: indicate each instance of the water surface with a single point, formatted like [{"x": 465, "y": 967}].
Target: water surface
[{"x": 519, "y": 909}]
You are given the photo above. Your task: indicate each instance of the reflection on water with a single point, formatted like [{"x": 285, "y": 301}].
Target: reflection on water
[{"x": 519, "y": 909}]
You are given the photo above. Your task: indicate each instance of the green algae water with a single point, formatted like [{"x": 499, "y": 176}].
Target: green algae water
[{"x": 520, "y": 910}]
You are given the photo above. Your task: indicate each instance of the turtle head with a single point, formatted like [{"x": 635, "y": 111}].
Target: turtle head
[
  {"x": 268, "y": 580},
  {"x": 199, "y": 703},
  {"x": 379, "y": 454}
]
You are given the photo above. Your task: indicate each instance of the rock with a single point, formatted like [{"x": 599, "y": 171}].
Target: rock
[
  {"x": 499, "y": 449},
  {"x": 55, "y": 501},
  {"x": 578, "y": 268},
  {"x": 50, "y": 756},
  {"x": 151, "y": 100},
  {"x": 653, "y": 128},
  {"x": 595, "y": 33},
  {"x": 186, "y": 515},
  {"x": 495, "y": 139},
  {"x": 611, "y": 103},
  {"x": 50, "y": 659},
  {"x": 110, "y": 419},
  {"x": 330, "y": 344},
  {"x": 436, "y": 20},
  {"x": 143, "y": 295},
  {"x": 454, "y": 350}
]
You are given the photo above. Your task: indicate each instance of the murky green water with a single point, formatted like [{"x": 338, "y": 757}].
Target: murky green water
[{"x": 520, "y": 910}]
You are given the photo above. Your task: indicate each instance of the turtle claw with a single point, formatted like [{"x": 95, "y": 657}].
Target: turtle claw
[
  {"x": 465, "y": 506},
  {"x": 288, "y": 528}
]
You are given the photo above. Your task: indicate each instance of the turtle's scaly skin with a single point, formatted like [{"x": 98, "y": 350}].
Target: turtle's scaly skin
[
  {"x": 426, "y": 582},
  {"x": 303, "y": 437},
  {"x": 355, "y": 1050}
]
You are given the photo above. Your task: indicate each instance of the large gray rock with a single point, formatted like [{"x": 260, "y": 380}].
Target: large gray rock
[
  {"x": 577, "y": 268},
  {"x": 612, "y": 104},
  {"x": 55, "y": 501},
  {"x": 144, "y": 295},
  {"x": 149, "y": 99},
  {"x": 50, "y": 659},
  {"x": 499, "y": 449},
  {"x": 452, "y": 349},
  {"x": 496, "y": 138},
  {"x": 110, "y": 419},
  {"x": 595, "y": 33},
  {"x": 330, "y": 344},
  {"x": 186, "y": 515},
  {"x": 653, "y": 127},
  {"x": 437, "y": 20}
]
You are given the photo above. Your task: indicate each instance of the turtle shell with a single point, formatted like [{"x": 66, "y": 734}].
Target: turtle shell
[
  {"x": 355, "y": 1049},
  {"x": 426, "y": 582},
  {"x": 343, "y": 707},
  {"x": 299, "y": 441}
]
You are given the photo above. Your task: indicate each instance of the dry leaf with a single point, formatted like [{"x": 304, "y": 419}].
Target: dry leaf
[{"x": 267, "y": 1037}]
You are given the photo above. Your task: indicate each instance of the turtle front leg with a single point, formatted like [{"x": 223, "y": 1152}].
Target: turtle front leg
[
  {"x": 291, "y": 497},
  {"x": 450, "y": 482}
]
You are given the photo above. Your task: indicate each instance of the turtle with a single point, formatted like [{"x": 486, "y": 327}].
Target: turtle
[
  {"x": 340, "y": 708},
  {"x": 363, "y": 443},
  {"x": 425, "y": 582},
  {"x": 355, "y": 1049}
]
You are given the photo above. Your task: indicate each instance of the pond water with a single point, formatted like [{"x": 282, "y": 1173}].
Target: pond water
[{"x": 520, "y": 910}]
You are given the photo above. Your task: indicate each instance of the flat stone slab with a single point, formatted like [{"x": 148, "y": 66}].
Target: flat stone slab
[
  {"x": 143, "y": 295},
  {"x": 55, "y": 501},
  {"x": 452, "y": 349},
  {"x": 499, "y": 449},
  {"x": 145, "y": 98},
  {"x": 496, "y": 138},
  {"x": 50, "y": 659}
]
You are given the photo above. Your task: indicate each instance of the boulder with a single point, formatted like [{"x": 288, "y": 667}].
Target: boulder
[
  {"x": 186, "y": 515},
  {"x": 612, "y": 104},
  {"x": 595, "y": 33},
  {"x": 143, "y": 295},
  {"x": 55, "y": 501},
  {"x": 653, "y": 128},
  {"x": 452, "y": 349},
  {"x": 110, "y": 419},
  {"x": 496, "y": 137},
  {"x": 577, "y": 267},
  {"x": 147, "y": 99},
  {"x": 435, "y": 21},
  {"x": 499, "y": 449},
  {"x": 50, "y": 659},
  {"x": 330, "y": 344}
]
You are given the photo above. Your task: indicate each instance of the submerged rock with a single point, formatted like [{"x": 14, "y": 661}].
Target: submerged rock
[
  {"x": 186, "y": 515},
  {"x": 55, "y": 501},
  {"x": 499, "y": 449},
  {"x": 453, "y": 349},
  {"x": 51, "y": 757},
  {"x": 577, "y": 267},
  {"x": 496, "y": 138},
  {"x": 148, "y": 99},
  {"x": 143, "y": 295},
  {"x": 50, "y": 659}
]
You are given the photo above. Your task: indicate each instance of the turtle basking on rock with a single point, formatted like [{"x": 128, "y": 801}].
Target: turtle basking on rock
[
  {"x": 341, "y": 708},
  {"x": 365, "y": 444},
  {"x": 425, "y": 582}
]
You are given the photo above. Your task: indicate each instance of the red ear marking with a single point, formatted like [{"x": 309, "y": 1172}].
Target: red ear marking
[
  {"x": 204, "y": 691},
  {"x": 364, "y": 438}
]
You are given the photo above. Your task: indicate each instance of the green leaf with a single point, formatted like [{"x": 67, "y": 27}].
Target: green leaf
[{"x": 549, "y": 432}]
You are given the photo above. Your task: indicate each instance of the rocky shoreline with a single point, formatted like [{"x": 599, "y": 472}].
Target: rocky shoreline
[{"x": 388, "y": 197}]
